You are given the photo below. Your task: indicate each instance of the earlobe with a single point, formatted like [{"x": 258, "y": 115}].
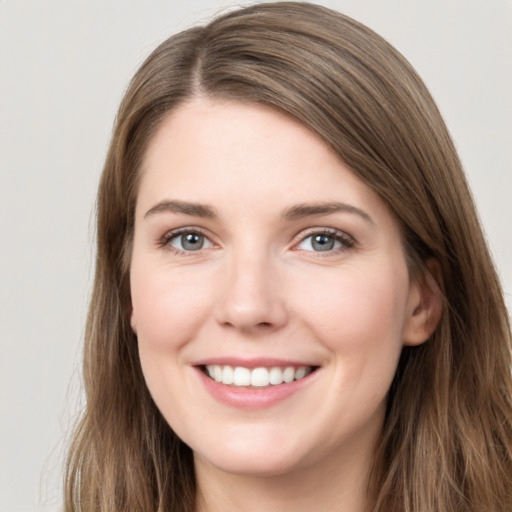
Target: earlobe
[
  {"x": 132, "y": 322},
  {"x": 425, "y": 306}
]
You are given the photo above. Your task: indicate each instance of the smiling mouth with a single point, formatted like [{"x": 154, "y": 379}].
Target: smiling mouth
[{"x": 239, "y": 376}]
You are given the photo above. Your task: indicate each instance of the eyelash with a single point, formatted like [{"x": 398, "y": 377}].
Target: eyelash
[
  {"x": 346, "y": 241},
  {"x": 166, "y": 240}
]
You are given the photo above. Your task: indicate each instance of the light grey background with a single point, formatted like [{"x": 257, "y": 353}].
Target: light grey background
[{"x": 64, "y": 65}]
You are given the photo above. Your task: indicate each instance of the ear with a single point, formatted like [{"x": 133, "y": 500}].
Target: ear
[
  {"x": 133, "y": 323},
  {"x": 425, "y": 305}
]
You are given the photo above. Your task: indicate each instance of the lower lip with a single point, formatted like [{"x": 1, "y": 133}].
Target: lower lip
[{"x": 253, "y": 398}]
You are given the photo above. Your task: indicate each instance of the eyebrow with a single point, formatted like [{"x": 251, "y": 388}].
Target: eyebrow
[
  {"x": 295, "y": 212},
  {"x": 300, "y": 211},
  {"x": 185, "y": 207}
]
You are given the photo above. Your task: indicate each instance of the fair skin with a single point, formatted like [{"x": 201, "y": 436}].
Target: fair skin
[{"x": 255, "y": 247}]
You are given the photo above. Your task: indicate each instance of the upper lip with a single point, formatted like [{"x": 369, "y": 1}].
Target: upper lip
[{"x": 253, "y": 362}]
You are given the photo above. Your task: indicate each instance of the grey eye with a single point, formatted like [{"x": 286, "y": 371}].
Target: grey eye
[
  {"x": 322, "y": 242},
  {"x": 319, "y": 242},
  {"x": 190, "y": 241}
]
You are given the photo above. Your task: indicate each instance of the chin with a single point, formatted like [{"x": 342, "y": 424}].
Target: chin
[
  {"x": 249, "y": 458},
  {"x": 264, "y": 465}
]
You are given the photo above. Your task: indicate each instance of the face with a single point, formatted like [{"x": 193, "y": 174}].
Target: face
[{"x": 270, "y": 292}]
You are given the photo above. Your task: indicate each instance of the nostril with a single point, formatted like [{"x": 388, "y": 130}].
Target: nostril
[{"x": 246, "y": 309}]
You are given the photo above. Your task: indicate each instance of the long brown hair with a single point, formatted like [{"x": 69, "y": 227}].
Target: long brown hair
[{"x": 447, "y": 440}]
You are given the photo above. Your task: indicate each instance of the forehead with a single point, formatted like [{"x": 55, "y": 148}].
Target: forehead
[{"x": 241, "y": 155}]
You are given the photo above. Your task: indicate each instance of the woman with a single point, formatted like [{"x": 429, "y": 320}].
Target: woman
[{"x": 294, "y": 305}]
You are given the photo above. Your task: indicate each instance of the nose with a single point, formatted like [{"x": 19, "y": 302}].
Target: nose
[{"x": 252, "y": 298}]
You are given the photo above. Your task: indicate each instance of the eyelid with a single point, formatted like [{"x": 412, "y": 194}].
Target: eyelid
[
  {"x": 347, "y": 241},
  {"x": 164, "y": 241}
]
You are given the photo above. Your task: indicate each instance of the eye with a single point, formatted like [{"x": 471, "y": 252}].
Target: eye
[
  {"x": 325, "y": 241},
  {"x": 187, "y": 241}
]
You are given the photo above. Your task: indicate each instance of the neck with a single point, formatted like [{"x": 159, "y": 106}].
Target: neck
[{"x": 329, "y": 487}]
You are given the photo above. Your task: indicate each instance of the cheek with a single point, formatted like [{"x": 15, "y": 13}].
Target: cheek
[
  {"x": 357, "y": 309},
  {"x": 361, "y": 324},
  {"x": 167, "y": 307}
]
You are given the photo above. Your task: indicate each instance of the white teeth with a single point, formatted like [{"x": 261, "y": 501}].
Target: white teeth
[
  {"x": 289, "y": 374},
  {"x": 300, "y": 373},
  {"x": 227, "y": 375},
  {"x": 257, "y": 377},
  {"x": 275, "y": 376},
  {"x": 242, "y": 376}
]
